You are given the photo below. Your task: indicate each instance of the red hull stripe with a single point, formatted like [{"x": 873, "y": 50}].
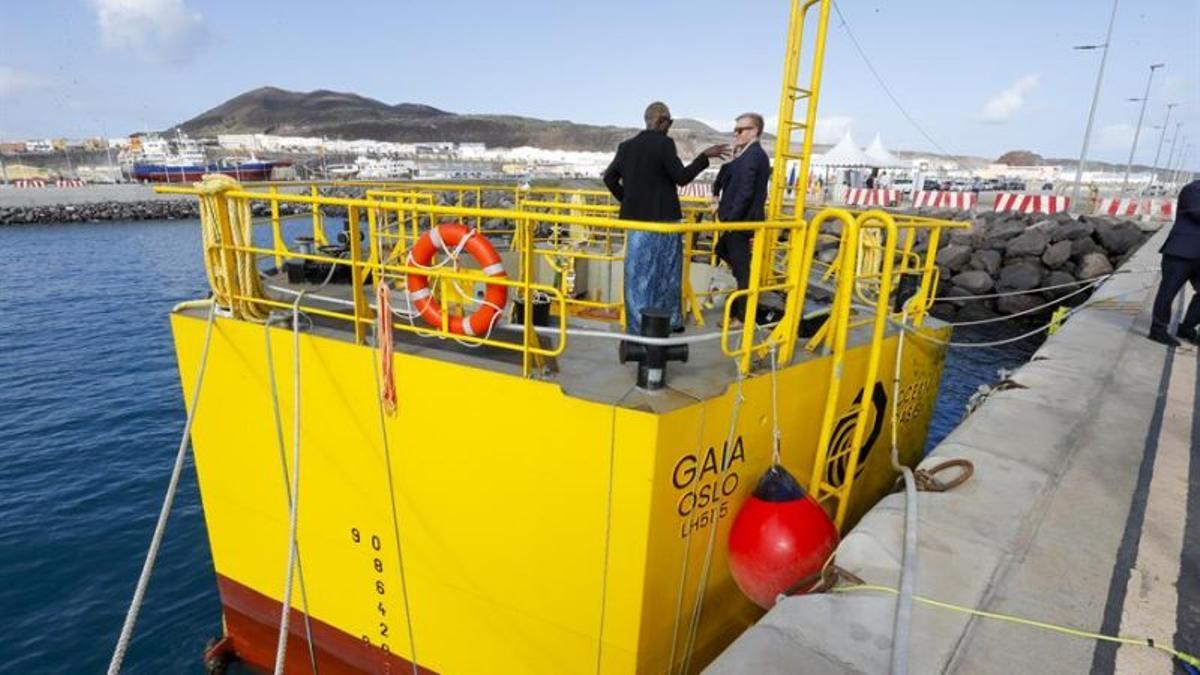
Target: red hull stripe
[{"x": 252, "y": 625}]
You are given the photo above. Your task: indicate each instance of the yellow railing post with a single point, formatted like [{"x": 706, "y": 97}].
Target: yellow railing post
[
  {"x": 374, "y": 244},
  {"x": 318, "y": 226},
  {"x": 878, "y": 333},
  {"x": 758, "y": 252},
  {"x": 527, "y": 338},
  {"x": 841, "y": 308},
  {"x": 361, "y": 309},
  {"x": 927, "y": 275},
  {"x": 228, "y": 254},
  {"x": 276, "y": 232}
]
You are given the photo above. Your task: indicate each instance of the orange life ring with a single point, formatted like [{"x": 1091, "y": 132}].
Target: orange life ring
[{"x": 452, "y": 236}]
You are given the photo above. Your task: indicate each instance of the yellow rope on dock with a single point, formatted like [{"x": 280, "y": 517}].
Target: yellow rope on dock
[{"x": 1066, "y": 630}]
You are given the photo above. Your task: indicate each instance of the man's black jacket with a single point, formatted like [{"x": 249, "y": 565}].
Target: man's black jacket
[
  {"x": 645, "y": 174},
  {"x": 1184, "y": 240},
  {"x": 742, "y": 185}
]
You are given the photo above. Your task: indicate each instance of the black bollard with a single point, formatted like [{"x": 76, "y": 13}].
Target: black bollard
[{"x": 652, "y": 359}]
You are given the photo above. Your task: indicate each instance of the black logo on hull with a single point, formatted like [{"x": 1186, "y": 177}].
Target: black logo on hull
[{"x": 843, "y": 436}]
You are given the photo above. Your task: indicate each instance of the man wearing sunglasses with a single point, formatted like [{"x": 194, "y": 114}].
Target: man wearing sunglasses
[
  {"x": 742, "y": 187},
  {"x": 645, "y": 176}
]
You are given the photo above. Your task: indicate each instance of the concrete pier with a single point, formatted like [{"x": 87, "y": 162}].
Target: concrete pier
[{"x": 1084, "y": 511}]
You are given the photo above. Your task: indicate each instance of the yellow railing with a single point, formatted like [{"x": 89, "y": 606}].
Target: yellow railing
[{"x": 563, "y": 228}]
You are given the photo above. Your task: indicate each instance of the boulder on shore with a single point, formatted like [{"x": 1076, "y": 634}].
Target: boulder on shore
[
  {"x": 1056, "y": 254},
  {"x": 1093, "y": 265},
  {"x": 975, "y": 282},
  {"x": 1015, "y": 304},
  {"x": 954, "y": 257},
  {"x": 1021, "y": 276},
  {"x": 987, "y": 260},
  {"x": 1119, "y": 238},
  {"x": 1029, "y": 243}
]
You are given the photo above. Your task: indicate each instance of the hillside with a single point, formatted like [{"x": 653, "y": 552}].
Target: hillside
[{"x": 343, "y": 115}]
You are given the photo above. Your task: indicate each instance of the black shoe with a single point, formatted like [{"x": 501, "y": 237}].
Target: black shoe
[
  {"x": 769, "y": 316},
  {"x": 1164, "y": 338},
  {"x": 1188, "y": 335},
  {"x": 677, "y": 329}
]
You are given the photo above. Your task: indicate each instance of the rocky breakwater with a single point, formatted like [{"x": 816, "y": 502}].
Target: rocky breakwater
[
  {"x": 173, "y": 209},
  {"x": 1019, "y": 255}
]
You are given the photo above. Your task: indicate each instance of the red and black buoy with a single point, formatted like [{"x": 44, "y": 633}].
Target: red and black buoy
[{"x": 780, "y": 537}]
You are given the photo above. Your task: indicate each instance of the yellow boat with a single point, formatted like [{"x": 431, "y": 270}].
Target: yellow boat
[{"x": 431, "y": 500}]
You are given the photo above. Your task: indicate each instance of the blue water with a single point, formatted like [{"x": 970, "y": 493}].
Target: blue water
[{"x": 90, "y": 416}]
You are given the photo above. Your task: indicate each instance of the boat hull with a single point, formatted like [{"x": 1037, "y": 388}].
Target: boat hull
[
  {"x": 166, "y": 173},
  {"x": 540, "y": 533}
]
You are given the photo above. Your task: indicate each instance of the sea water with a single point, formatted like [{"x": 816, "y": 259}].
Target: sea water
[{"x": 90, "y": 417}]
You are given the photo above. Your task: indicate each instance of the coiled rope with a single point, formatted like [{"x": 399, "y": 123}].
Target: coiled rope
[
  {"x": 236, "y": 289},
  {"x": 139, "y": 593}
]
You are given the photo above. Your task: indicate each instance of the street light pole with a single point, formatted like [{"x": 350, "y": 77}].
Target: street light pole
[
  {"x": 1138, "y": 131},
  {"x": 1171, "y": 153},
  {"x": 1162, "y": 137},
  {"x": 1087, "y": 134},
  {"x": 1180, "y": 172}
]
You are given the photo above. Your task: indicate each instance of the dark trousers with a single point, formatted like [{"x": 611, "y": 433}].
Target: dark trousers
[
  {"x": 734, "y": 249},
  {"x": 1175, "y": 273}
]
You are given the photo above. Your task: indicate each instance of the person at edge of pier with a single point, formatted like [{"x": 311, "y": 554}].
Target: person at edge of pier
[
  {"x": 1180, "y": 265},
  {"x": 742, "y": 187},
  {"x": 644, "y": 177}
]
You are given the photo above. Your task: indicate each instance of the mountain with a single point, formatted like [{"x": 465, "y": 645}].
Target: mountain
[{"x": 332, "y": 114}]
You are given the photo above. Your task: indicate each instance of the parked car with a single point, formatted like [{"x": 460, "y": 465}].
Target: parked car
[
  {"x": 1047, "y": 186},
  {"x": 930, "y": 185},
  {"x": 904, "y": 185}
]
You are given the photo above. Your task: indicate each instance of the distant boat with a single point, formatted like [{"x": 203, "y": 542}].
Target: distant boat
[
  {"x": 153, "y": 159},
  {"x": 174, "y": 172}
]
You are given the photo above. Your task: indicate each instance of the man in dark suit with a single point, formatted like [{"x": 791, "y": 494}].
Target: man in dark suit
[
  {"x": 1180, "y": 265},
  {"x": 742, "y": 186},
  {"x": 644, "y": 177}
]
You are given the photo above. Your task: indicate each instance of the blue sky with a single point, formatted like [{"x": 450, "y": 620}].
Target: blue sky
[{"x": 981, "y": 78}]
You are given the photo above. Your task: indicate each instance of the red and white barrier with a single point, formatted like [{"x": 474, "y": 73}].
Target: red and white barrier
[
  {"x": 963, "y": 201},
  {"x": 871, "y": 197},
  {"x": 1027, "y": 203},
  {"x": 1132, "y": 206},
  {"x": 696, "y": 189},
  {"x": 29, "y": 183},
  {"x": 1119, "y": 207},
  {"x": 1162, "y": 208},
  {"x": 70, "y": 182}
]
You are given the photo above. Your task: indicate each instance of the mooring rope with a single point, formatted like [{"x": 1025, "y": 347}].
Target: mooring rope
[
  {"x": 702, "y": 582},
  {"x": 139, "y": 593},
  {"x": 294, "y": 491},
  {"x": 312, "y": 655},
  {"x": 903, "y": 619},
  {"x": 687, "y": 547}
]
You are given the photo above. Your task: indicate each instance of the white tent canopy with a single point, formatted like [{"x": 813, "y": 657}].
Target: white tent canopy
[
  {"x": 846, "y": 154},
  {"x": 881, "y": 156}
]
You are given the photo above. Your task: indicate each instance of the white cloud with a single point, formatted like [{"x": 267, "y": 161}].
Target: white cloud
[
  {"x": 157, "y": 31},
  {"x": 1001, "y": 107},
  {"x": 831, "y": 129},
  {"x": 1115, "y": 137}
]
